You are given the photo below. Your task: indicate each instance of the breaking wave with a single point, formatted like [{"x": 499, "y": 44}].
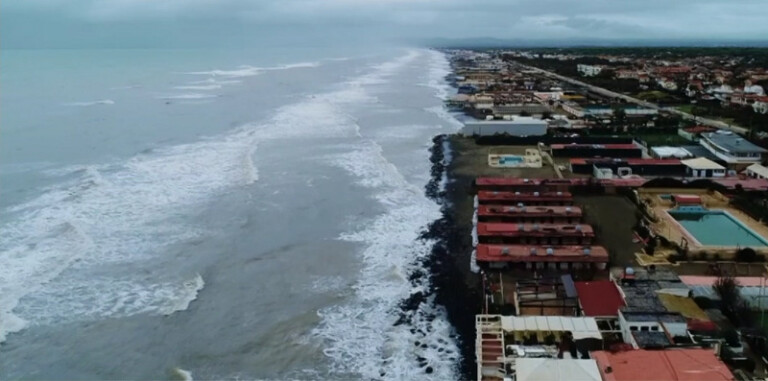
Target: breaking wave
[
  {"x": 189, "y": 96},
  {"x": 213, "y": 86},
  {"x": 399, "y": 332},
  {"x": 91, "y": 103},
  {"x": 60, "y": 248},
  {"x": 391, "y": 325},
  {"x": 250, "y": 71}
]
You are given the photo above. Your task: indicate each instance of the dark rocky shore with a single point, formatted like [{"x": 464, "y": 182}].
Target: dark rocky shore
[{"x": 455, "y": 287}]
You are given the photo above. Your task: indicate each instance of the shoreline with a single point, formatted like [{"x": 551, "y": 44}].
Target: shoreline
[{"x": 454, "y": 286}]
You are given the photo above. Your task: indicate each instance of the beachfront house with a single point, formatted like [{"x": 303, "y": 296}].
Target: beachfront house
[
  {"x": 702, "y": 167},
  {"x": 732, "y": 149}
]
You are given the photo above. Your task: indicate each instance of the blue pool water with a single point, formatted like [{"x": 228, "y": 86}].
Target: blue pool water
[
  {"x": 717, "y": 228},
  {"x": 511, "y": 159}
]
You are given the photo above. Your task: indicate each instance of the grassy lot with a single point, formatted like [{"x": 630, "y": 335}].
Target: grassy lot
[
  {"x": 686, "y": 108},
  {"x": 659, "y": 139},
  {"x": 652, "y": 96}
]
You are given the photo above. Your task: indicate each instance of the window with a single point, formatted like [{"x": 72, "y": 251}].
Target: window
[
  {"x": 644, "y": 329},
  {"x": 633, "y": 328},
  {"x": 654, "y": 328}
]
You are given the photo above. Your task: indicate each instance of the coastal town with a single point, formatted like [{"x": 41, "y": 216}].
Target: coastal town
[{"x": 611, "y": 210}]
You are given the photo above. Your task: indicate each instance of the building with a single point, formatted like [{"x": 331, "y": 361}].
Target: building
[
  {"x": 589, "y": 70},
  {"x": 692, "y": 133},
  {"x": 517, "y": 108},
  {"x": 541, "y": 214},
  {"x": 523, "y": 199},
  {"x": 542, "y": 257},
  {"x": 732, "y": 148},
  {"x": 501, "y": 341},
  {"x": 519, "y": 126},
  {"x": 761, "y": 105},
  {"x": 702, "y": 167},
  {"x": 652, "y": 329},
  {"x": 624, "y": 167},
  {"x": 597, "y": 150},
  {"x": 668, "y": 152},
  {"x": 538, "y": 369},
  {"x": 757, "y": 171},
  {"x": 674, "y": 365},
  {"x": 605, "y": 110},
  {"x": 535, "y": 234},
  {"x": 599, "y": 299}
]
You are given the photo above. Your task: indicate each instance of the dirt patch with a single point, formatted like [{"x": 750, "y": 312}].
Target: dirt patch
[{"x": 614, "y": 219}]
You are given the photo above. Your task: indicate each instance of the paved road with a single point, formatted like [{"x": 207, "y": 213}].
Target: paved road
[{"x": 608, "y": 93}]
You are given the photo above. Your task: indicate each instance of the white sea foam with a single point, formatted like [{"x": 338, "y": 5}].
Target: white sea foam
[
  {"x": 214, "y": 86},
  {"x": 250, "y": 71},
  {"x": 189, "y": 96},
  {"x": 365, "y": 328},
  {"x": 123, "y": 213},
  {"x": 112, "y": 214},
  {"x": 91, "y": 103},
  {"x": 215, "y": 81},
  {"x": 251, "y": 173},
  {"x": 182, "y": 375}
]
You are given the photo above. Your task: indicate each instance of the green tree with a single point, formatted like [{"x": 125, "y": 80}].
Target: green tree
[{"x": 619, "y": 116}]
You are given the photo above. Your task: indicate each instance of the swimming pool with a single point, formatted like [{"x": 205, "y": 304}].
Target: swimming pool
[
  {"x": 511, "y": 160},
  {"x": 716, "y": 228}
]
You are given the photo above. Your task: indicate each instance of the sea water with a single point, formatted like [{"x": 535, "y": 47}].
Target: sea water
[{"x": 219, "y": 214}]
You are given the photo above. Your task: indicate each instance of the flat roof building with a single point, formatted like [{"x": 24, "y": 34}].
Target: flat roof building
[
  {"x": 541, "y": 257},
  {"x": 525, "y": 198},
  {"x": 599, "y": 298},
  {"x": 732, "y": 148},
  {"x": 539, "y": 369},
  {"x": 672, "y": 365},
  {"x": 519, "y": 126},
  {"x": 535, "y": 234},
  {"x": 514, "y": 213}
]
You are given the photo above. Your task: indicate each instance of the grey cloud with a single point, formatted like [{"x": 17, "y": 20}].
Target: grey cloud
[{"x": 388, "y": 19}]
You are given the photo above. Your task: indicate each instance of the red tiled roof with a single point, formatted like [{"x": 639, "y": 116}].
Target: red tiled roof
[
  {"x": 522, "y": 253},
  {"x": 699, "y": 129},
  {"x": 480, "y": 181},
  {"x": 533, "y": 230},
  {"x": 523, "y": 196},
  {"x": 599, "y": 298},
  {"x": 670, "y": 364},
  {"x": 635, "y": 181},
  {"x": 626, "y": 161},
  {"x": 506, "y": 210}
]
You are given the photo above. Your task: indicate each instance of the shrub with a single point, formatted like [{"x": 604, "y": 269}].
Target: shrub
[
  {"x": 703, "y": 302},
  {"x": 746, "y": 254}
]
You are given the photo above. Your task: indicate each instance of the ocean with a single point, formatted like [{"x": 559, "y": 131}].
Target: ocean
[{"x": 177, "y": 214}]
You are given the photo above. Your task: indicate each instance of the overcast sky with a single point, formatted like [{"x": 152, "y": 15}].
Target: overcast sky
[{"x": 137, "y": 23}]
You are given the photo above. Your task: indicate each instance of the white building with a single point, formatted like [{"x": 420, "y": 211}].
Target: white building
[
  {"x": 589, "y": 70},
  {"x": 518, "y": 126},
  {"x": 731, "y": 148},
  {"x": 538, "y": 369},
  {"x": 663, "y": 324},
  {"x": 757, "y": 171},
  {"x": 703, "y": 168}
]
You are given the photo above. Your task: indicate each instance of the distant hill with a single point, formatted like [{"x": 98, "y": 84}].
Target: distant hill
[{"x": 495, "y": 43}]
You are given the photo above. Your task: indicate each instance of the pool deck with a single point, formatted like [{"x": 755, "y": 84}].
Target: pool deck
[{"x": 672, "y": 230}]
